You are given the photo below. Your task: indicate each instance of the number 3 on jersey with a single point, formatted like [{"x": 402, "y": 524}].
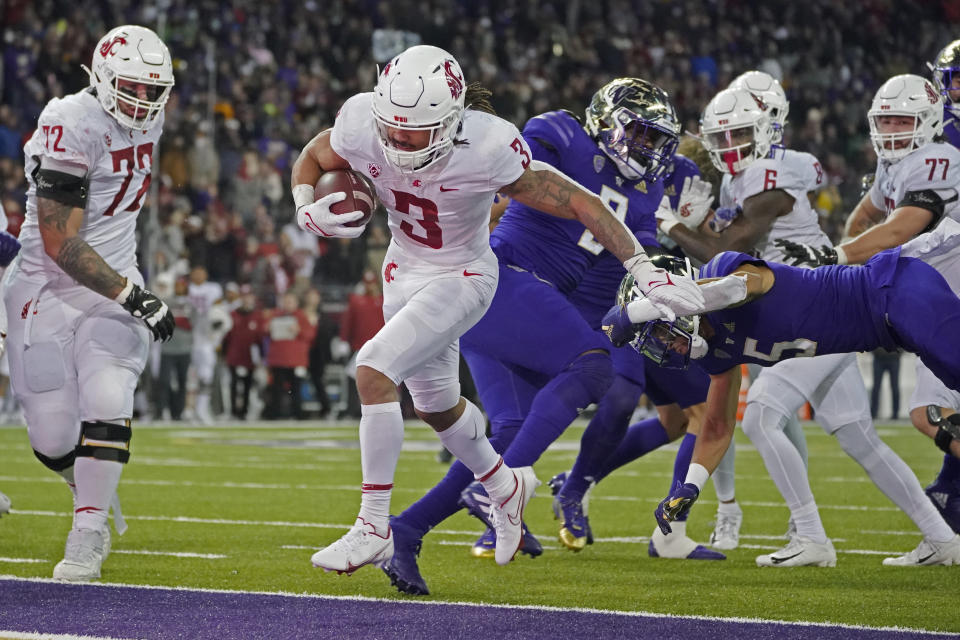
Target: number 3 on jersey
[
  {"x": 618, "y": 204},
  {"x": 429, "y": 222}
]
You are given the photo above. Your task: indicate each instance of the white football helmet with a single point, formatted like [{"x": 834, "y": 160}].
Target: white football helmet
[
  {"x": 736, "y": 130},
  {"x": 911, "y": 96},
  {"x": 135, "y": 54},
  {"x": 769, "y": 90},
  {"x": 422, "y": 89}
]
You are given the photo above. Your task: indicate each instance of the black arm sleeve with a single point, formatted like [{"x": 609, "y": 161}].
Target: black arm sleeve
[
  {"x": 933, "y": 200},
  {"x": 61, "y": 187}
]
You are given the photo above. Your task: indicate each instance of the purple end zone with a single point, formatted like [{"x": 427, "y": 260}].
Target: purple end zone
[{"x": 135, "y": 612}]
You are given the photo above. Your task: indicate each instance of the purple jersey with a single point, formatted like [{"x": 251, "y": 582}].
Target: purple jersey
[
  {"x": 560, "y": 250},
  {"x": 951, "y": 127},
  {"x": 807, "y": 312}
]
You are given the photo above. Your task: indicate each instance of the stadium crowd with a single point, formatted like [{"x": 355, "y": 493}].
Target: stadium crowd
[{"x": 256, "y": 80}]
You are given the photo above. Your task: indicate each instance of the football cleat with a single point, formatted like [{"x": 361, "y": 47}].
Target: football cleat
[
  {"x": 678, "y": 546},
  {"x": 801, "y": 552},
  {"x": 402, "y": 568},
  {"x": 361, "y": 545},
  {"x": 82, "y": 557},
  {"x": 726, "y": 532},
  {"x": 486, "y": 545},
  {"x": 4, "y": 504},
  {"x": 791, "y": 530},
  {"x": 576, "y": 525},
  {"x": 556, "y": 484},
  {"x": 928, "y": 553},
  {"x": 946, "y": 499}
]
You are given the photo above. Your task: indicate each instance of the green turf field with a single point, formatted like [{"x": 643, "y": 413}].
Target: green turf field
[{"x": 243, "y": 507}]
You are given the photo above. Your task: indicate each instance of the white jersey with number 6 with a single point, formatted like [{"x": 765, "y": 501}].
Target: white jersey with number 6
[
  {"x": 440, "y": 214},
  {"x": 76, "y": 132}
]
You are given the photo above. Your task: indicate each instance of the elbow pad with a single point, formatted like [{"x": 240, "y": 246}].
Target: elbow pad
[
  {"x": 61, "y": 187},
  {"x": 723, "y": 293}
]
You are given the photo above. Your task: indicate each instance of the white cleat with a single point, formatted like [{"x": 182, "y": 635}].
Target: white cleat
[
  {"x": 679, "y": 546},
  {"x": 726, "y": 533},
  {"x": 361, "y": 545},
  {"x": 507, "y": 517},
  {"x": 82, "y": 557},
  {"x": 4, "y": 504},
  {"x": 928, "y": 553},
  {"x": 791, "y": 530},
  {"x": 801, "y": 552},
  {"x": 105, "y": 538}
]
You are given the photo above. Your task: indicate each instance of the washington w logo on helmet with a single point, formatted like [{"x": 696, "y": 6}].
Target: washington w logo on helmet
[{"x": 454, "y": 81}]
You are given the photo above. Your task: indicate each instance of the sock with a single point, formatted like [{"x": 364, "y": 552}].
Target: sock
[
  {"x": 557, "y": 405},
  {"x": 442, "y": 500},
  {"x": 603, "y": 434},
  {"x": 467, "y": 440},
  {"x": 794, "y": 432},
  {"x": 893, "y": 477},
  {"x": 641, "y": 438},
  {"x": 950, "y": 471},
  {"x": 67, "y": 475},
  {"x": 96, "y": 482},
  {"x": 681, "y": 464},
  {"x": 723, "y": 475},
  {"x": 764, "y": 426},
  {"x": 381, "y": 436},
  {"x": 729, "y": 508}
]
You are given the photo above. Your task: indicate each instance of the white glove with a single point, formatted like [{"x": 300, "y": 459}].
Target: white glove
[
  {"x": 673, "y": 295},
  {"x": 317, "y": 218},
  {"x": 695, "y": 200},
  {"x": 666, "y": 219}
]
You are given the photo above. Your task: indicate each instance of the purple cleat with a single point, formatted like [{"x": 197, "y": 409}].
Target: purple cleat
[
  {"x": 486, "y": 545},
  {"x": 402, "y": 568}
]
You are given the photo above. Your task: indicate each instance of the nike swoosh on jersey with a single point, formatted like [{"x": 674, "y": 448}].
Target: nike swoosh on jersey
[
  {"x": 445, "y": 189},
  {"x": 469, "y": 273}
]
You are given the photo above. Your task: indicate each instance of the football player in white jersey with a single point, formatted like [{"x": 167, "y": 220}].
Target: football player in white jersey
[
  {"x": 80, "y": 321},
  {"x": 210, "y": 322},
  {"x": 9, "y": 246},
  {"x": 771, "y": 191},
  {"x": 437, "y": 157},
  {"x": 917, "y": 186}
]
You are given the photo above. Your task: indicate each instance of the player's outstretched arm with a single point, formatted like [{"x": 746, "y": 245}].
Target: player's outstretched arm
[
  {"x": 719, "y": 419},
  {"x": 905, "y": 223},
  {"x": 544, "y": 188}
]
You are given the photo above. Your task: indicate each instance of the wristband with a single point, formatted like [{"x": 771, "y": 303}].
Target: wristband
[
  {"x": 302, "y": 195},
  {"x": 666, "y": 225},
  {"x": 697, "y": 474},
  {"x": 125, "y": 292},
  {"x": 841, "y": 255}
]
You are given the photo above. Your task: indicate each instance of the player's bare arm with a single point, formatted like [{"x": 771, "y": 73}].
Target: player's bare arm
[
  {"x": 59, "y": 224},
  {"x": 905, "y": 223},
  {"x": 716, "y": 431},
  {"x": 759, "y": 213},
  {"x": 548, "y": 190},
  {"x": 865, "y": 215},
  {"x": 315, "y": 158}
]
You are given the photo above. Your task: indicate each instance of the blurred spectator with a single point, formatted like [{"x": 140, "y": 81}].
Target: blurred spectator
[
  {"x": 886, "y": 362},
  {"x": 320, "y": 348},
  {"x": 241, "y": 352},
  {"x": 290, "y": 334},
  {"x": 171, "y": 384},
  {"x": 360, "y": 322}
]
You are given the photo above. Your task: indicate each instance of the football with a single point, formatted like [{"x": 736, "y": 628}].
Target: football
[{"x": 360, "y": 193}]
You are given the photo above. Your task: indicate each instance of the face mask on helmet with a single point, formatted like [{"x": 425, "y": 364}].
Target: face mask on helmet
[
  {"x": 417, "y": 106},
  {"x": 946, "y": 76},
  {"x": 636, "y": 126},
  {"x": 132, "y": 73},
  {"x": 735, "y": 130},
  {"x": 906, "y": 113}
]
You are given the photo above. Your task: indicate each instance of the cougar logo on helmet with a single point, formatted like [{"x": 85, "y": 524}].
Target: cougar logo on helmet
[
  {"x": 931, "y": 94},
  {"x": 110, "y": 48},
  {"x": 454, "y": 81}
]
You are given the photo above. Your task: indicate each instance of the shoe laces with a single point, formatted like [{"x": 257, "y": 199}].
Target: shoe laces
[
  {"x": 83, "y": 545},
  {"x": 728, "y": 526}
]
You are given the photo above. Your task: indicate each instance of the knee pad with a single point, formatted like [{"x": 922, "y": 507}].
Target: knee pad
[
  {"x": 105, "y": 441},
  {"x": 57, "y": 464},
  {"x": 595, "y": 372}
]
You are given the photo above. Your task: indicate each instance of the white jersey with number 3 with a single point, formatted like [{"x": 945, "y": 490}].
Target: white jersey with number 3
[
  {"x": 440, "y": 214},
  {"x": 795, "y": 172},
  {"x": 933, "y": 166},
  {"x": 77, "y": 131}
]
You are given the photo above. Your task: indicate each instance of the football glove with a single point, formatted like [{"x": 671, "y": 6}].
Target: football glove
[
  {"x": 9, "y": 248},
  {"x": 673, "y": 295},
  {"x": 616, "y": 324},
  {"x": 799, "y": 254},
  {"x": 676, "y": 505},
  {"x": 145, "y": 305},
  {"x": 695, "y": 200},
  {"x": 318, "y": 219},
  {"x": 724, "y": 217}
]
